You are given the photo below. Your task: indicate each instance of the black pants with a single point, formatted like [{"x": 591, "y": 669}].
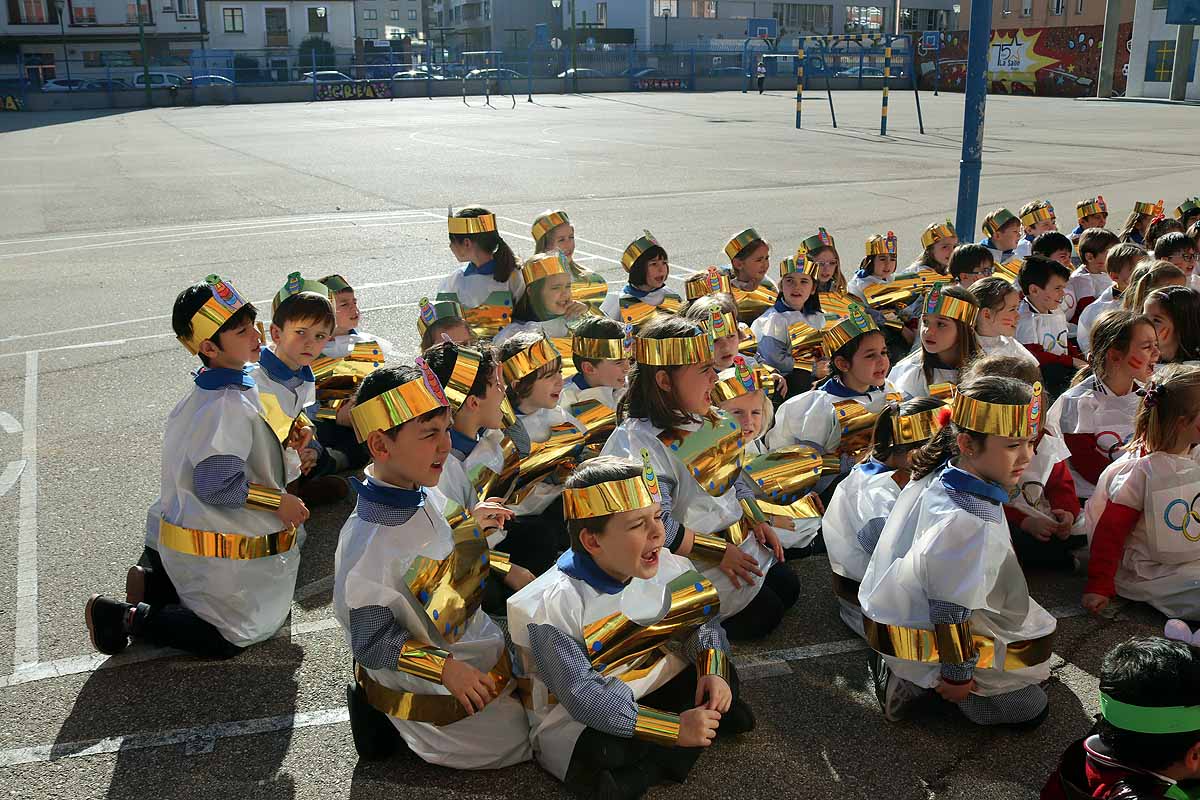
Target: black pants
[
  {"x": 159, "y": 589},
  {"x": 779, "y": 591},
  {"x": 533, "y": 542},
  {"x": 761, "y": 81},
  {"x": 1052, "y": 554},
  {"x": 635, "y": 764},
  {"x": 341, "y": 438},
  {"x": 798, "y": 382},
  {"x": 175, "y": 625}
]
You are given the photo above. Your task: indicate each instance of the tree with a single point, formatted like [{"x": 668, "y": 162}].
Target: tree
[{"x": 316, "y": 51}]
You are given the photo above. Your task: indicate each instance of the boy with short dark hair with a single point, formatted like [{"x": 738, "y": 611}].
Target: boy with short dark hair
[
  {"x": 1119, "y": 262},
  {"x": 1091, "y": 213},
  {"x": 1003, "y": 231},
  {"x": 1188, "y": 212},
  {"x": 227, "y": 536},
  {"x": 600, "y": 351},
  {"x": 970, "y": 263},
  {"x": 1089, "y": 280},
  {"x": 1042, "y": 325},
  {"x": 1053, "y": 245},
  {"x": 1180, "y": 251},
  {"x": 1147, "y": 742},
  {"x": 615, "y": 705}
]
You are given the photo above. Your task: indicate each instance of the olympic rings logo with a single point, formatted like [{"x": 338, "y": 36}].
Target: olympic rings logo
[
  {"x": 1186, "y": 513},
  {"x": 1050, "y": 341},
  {"x": 1109, "y": 442}
]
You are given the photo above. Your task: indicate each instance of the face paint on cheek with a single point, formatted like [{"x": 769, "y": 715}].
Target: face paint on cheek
[{"x": 1136, "y": 362}]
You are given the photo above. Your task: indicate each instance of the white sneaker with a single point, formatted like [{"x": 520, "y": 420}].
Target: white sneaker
[{"x": 895, "y": 695}]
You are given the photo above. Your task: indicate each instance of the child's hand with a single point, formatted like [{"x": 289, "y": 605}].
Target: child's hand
[
  {"x": 518, "y": 578},
  {"x": 737, "y": 565},
  {"x": 786, "y": 523},
  {"x": 343, "y": 413},
  {"x": 574, "y": 309},
  {"x": 308, "y": 460},
  {"x": 820, "y": 369},
  {"x": 292, "y": 511},
  {"x": 1039, "y": 528},
  {"x": 472, "y": 688},
  {"x": 490, "y": 515},
  {"x": 713, "y": 693},
  {"x": 1066, "y": 521},
  {"x": 769, "y": 539},
  {"x": 1095, "y": 603},
  {"x": 697, "y": 727},
  {"x": 954, "y": 692},
  {"x": 300, "y": 438}
]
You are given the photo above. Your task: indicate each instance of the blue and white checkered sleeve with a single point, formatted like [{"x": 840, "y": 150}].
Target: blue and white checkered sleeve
[
  {"x": 376, "y": 637},
  {"x": 605, "y": 704},
  {"x": 743, "y": 487},
  {"x": 673, "y": 528},
  {"x": 942, "y": 612},
  {"x": 221, "y": 481},
  {"x": 868, "y": 535},
  {"x": 709, "y": 636}
]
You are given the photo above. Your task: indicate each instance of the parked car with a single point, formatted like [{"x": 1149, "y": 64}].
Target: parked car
[
  {"x": 111, "y": 84},
  {"x": 158, "y": 80},
  {"x": 209, "y": 80},
  {"x": 492, "y": 73},
  {"x": 416, "y": 75},
  {"x": 326, "y": 76},
  {"x": 726, "y": 72},
  {"x": 640, "y": 72},
  {"x": 581, "y": 72},
  {"x": 69, "y": 85},
  {"x": 867, "y": 72}
]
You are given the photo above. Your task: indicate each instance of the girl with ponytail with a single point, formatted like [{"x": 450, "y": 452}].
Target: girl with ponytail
[{"x": 490, "y": 283}]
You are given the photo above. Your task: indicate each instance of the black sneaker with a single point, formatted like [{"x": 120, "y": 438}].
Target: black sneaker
[
  {"x": 106, "y": 624},
  {"x": 375, "y": 738}
]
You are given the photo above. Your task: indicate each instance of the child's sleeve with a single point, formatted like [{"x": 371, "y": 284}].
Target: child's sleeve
[
  {"x": 1060, "y": 490},
  {"x": 708, "y": 649},
  {"x": 943, "y": 612},
  {"x": 776, "y": 353},
  {"x": 1123, "y": 500}
]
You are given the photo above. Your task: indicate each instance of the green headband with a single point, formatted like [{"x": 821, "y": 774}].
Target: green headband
[{"x": 1150, "y": 719}]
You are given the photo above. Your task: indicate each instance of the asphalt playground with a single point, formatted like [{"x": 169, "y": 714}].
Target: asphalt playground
[{"x": 105, "y": 216}]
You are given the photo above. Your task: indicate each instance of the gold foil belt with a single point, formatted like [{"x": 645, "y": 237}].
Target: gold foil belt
[
  {"x": 434, "y": 709},
  {"x": 954, "y": 644},
  {"x": 234, "y": 546},
  {"x": 712, "y": 453}
]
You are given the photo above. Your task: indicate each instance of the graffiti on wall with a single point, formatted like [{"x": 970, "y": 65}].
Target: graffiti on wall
[
  {"x": 358, "y": 90},
  {"x": 10, "y": 102},
  {"x": 1052, "y": 62}
]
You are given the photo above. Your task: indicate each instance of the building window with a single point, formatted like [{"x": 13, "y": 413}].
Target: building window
[
  {"x": 185, "y": 9},
  {"x": 234, "y": 21},
  {"x": 394, "y": 14},
  {"x": 83, "y": 15},
  {"x": 131, "y": 14},
  {"x": 394, "y": 32},
  {"x": 318, "y": 22},
  {"x": 1160, "y": 60},
  {"x": 34, "y": 12},
  {"x": 412, "y": 15},
  {"x": 1006, "y": 8},
  {"x": 1159, "y": 5},
  {"x": 704, "y": 9},
  {"x": 864, "y": 19},
  {"x": 1056, "y": 7},
  {"x": 370, "y": 33},
  {"x": 803, "y": 18},
  {"x": 1079, "y": 7},
  {"x": 602, "y": 14},
  {"x": 370, "y": 13},
  {"x": 665, "y": 8},
  {"x": 1026, "y": 8}
]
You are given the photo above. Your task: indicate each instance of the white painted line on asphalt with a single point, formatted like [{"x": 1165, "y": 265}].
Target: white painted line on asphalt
[{"x": 26, "y": 649}]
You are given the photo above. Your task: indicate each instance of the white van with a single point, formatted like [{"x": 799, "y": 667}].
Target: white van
[{"x": 159, "y": 80}]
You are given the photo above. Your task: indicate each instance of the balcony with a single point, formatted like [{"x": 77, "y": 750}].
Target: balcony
[{"x": 277, "y": 38}]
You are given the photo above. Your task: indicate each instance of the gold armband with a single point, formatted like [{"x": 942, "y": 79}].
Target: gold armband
[
  {"x": 713, "y": 662},
  {"x": 955, "y": 644},
  {"x": 422, "y": 661},
  {"x": 750, "y": 509},
  {"x": 499, "y": 562},
  {"x": 709, "y": 546},
  {"x": 263, "y": 498},
  {"x": 657, "y": 727}
]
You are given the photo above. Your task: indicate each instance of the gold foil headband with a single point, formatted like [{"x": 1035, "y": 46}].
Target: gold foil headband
[
  {"x": 635, "y": 249},
  {"x": 999, "y": 419},
  {"x": 216, "y": 311},
  {"x": 674, "y": 352},
  {"x": 1149, "y": 209},
  {"x": 466, "y": 226},
  {"x": 916, "y": 428},
  {"x": 429, "y": 313},
  {"x": 711, "y": 281},
  {"x": 613, "y": 497},
  {"x": 1095, "y": 205},
  {"x": 993, "y": 223},
  {"x": 602, "y": 349},
  {"x": 738, "y": 243},
  {"x": 548, "y": 222},
  {"x": 398, "y": 405},
  {"x": 543, "y": 265},
  {"x": 462, "y": 377},
  {"x": 937, "y": 302},
  {"x": 815, "y": 242},
  {"x": 296, "y": 284},
  {"x": 936, "y": 231},
  {"x": 1188, "y": 206},
  {"x": 530, "y": 360},
  {"x": 798, "y": 264},
  {"x": 741, "y": 379},
  {"x": 879, "y": 245},
  {"x": 336, "y": 283},
  {"x": 1043, "y": 214},
  {"x": 856, "y": 324}
]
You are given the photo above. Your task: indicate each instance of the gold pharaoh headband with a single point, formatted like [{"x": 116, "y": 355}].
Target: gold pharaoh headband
[
  {"x": 429, "y": 313},
  {"x": 602, "y": 349},
  {"x": 1040, "y": 214},
  {"x": 530, "y": 360},
  {"x": 815, "y": 242},
  {"x": 548, "y": 222},
  {"x": 741, "y": 379},
  {"x": 942, "y": 304},
  {"x": 465, "y": 226},
  {"x": 1191, "y": 205},
  {"x": 336, "y": 283},
  {"x": 799, "y": 263},
  {"x": 1149, "y": 209},
  {"x": 613, "y": 497},
  {"x": 711, "y": 281},
  {"x": 916, "y": 428},
  {"x": 997, "y": 220},
  {"x": 879, "y": 245},
  {"x": 936, "y": 231},
  {"x": 674, "y": 352},
  {"x": 1094, "y": 205},
  {"x": 400, "y": 404},
  {"x": 739, "y": 242},
  {"x": 999, "y": 419},
  {"x": 462, "y": 377},
  {"x": 636, "y": 248},
  {"x": 216, "y": 311},
  {"x": 296, "y": 284},
  {"x": 543, "y": 265},
  {"x": 856, "y": 324}
]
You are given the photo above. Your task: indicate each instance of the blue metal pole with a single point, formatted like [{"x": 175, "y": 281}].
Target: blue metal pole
[
  {"x": 529, "y": 86},
  {"x": 971, "y": 165},
  {"x": 746, "y": 65}
]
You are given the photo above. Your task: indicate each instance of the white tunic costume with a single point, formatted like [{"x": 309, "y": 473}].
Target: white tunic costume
[
  {"x": 1083, "y": 288},
  {"x": 635, "y": 306},
  {"x": 1106, "y": 301},
  {"x": 486, "y": 302},
  {"x": 1095, "y": 424},
  {"x": 772, "y": 330},
  {"x": 1006, "y": 346},
  {"x": 908, "y": 375}
]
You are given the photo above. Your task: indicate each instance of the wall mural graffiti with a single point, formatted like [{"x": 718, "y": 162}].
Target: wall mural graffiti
[{"x": 359, "y": 90}]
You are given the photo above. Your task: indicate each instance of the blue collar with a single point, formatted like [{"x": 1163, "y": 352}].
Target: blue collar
[
  {"x": 781, "y": 305},
  {"x": 462, "y": 443},
  {"x": 1078, "y": 230},
  {"x": 835, "y": 387},
  {"x": 485, "y": 269},
  {"x": 1029, "y": 238},
  {"x": 633, "y": 291},
  {"x": 281, "y": 371},
  {"x": 221, "y": 376},
  {"x": 388, "y": 495},
  {"x": 583, "y": 567},
  {"x": 352, "y": 332},
  {"x": 989, "y": 244},
  {"x": 862, "y": 274},
  {"x": 955, "y": 478},
  {"x": 873, "y": 467},
  {"x": 581, "y": 381},
  {"x": 1136, "y": 237}
]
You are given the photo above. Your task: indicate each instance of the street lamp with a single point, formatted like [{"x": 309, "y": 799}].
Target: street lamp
[
  {"x": 321, "y": 16},
  {"x": 59, "y": 4},
  {"x": 666, "y": 15}
]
